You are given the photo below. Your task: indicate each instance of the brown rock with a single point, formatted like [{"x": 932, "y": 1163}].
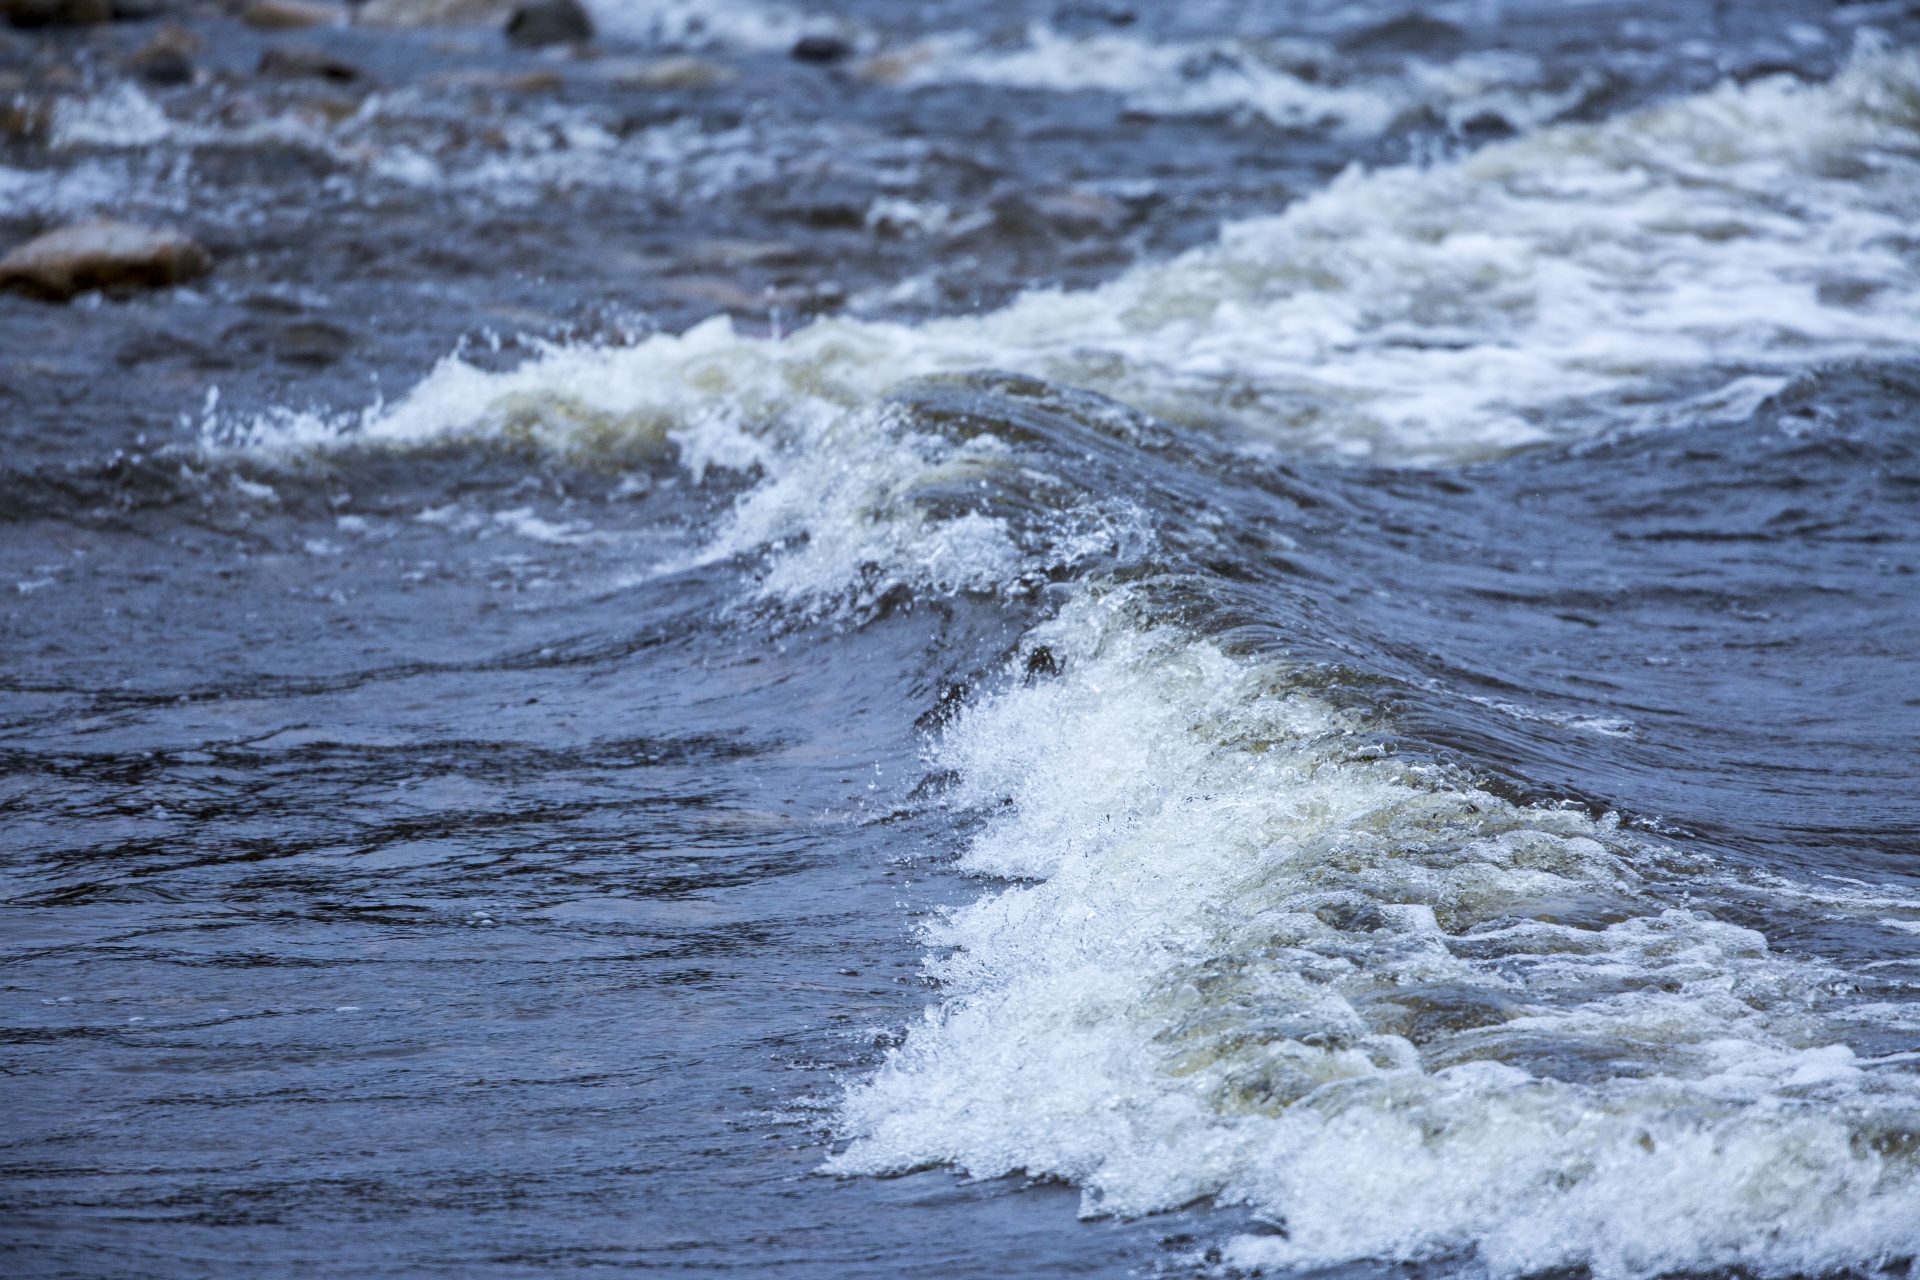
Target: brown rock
[
  {"x": 102, "y": 255},
  {"x": 291, "y": 15}
]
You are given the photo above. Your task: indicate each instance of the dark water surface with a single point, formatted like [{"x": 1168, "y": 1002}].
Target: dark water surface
[{"x": 500, "y": 828}]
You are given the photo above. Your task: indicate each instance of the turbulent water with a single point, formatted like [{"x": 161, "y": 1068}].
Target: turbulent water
[{"x": 1202, "y": 639}]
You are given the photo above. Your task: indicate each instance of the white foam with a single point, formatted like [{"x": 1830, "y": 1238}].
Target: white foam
[
  {"x": 1289, "y": 83},
  {"x": 1209, "y": 978},
  {"x": 423, "y": 139},
  {"x": 121, "y": 117},
  {"x": 84, "y": 188},
  {"x": 1160, "y": 77},
  {"x": 1662, "y": 267},
  {"x": 703, "y": 24}
]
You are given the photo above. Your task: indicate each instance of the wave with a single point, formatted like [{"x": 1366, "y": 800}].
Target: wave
[{"x": 1396, "y": 1016}]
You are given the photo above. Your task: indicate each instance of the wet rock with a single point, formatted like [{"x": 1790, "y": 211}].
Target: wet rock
[
  {"x": 102, "y": 255},
  {"x": 537, "y": 23},
  {"x": 1427, "y": 1013},
  {"x": 166, "y": 59},
  {"x": 821, "y": 49},
  {"x": 1487, "y": 126},
  {"x": 29, "y": 14},
  {"x": 304, "y": 62},
  {"x": 412, "y": 14},
  {"x": 164, "y": 67},
  {"x": 1410, "y": 33},
  {"x": 292, "y": 15}
]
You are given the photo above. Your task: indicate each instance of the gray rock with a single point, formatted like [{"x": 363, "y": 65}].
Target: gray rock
[
  {"x": 102, "y": 255},
  {"x": 543, "y": 22}
]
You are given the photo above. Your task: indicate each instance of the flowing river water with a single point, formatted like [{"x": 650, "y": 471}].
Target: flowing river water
[{"x": 1157, "y": 640}]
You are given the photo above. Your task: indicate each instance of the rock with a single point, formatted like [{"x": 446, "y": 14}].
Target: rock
[
  {"x": 821, "y": 49},
  {"x": 163, "y": 67},
  {"x": 102, "y": 255},
  {"x": 303, "y": 62},
  {"x": 166, "y": 59},
  {"x": 56, "y": 13},
  {"x": 1080, "y": 16},
  {"x": 536, "y": 23},
  {"x": 410, "y": 14},
  {"x": 1409, "y": 33},
  {"x": 292, "y": 15}
]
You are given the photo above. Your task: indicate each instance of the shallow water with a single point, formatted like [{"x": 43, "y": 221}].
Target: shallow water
[{"x": 1262, "y": 639}]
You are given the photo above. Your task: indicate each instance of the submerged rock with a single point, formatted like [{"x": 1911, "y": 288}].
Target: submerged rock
[
  {"x": 1409, "y": 33},
  {"x": 313, "y": 343},
  {"x": 544, "y": 22},
  {"x": 300, "y": 61},
  {"x": 102, "y": 255},
  {"x": 821, "y": 49},
  {"x": 292, "y": 15}
]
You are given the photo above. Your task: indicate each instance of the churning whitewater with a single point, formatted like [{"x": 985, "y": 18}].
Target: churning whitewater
[
  {"x": 1671, "y": 264},
  {"x": 1233, "y": 951}
]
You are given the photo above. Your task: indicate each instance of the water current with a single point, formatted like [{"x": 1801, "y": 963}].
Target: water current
[{"x": 1190, "y": 639}]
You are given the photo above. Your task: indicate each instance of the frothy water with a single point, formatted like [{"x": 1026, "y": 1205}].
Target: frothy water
[
  {"x": 1671, "y": 263},
  {"x": 1398, "y": 1017}
]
